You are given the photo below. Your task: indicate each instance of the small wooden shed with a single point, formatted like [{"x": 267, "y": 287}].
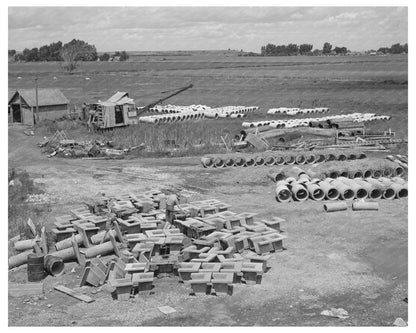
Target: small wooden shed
[{"x": 52, "y": 104}]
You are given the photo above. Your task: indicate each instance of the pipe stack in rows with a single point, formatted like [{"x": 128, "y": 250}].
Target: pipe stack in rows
[
  {"x": 180, "y": 114},
  {"x": 340, "y": 188},
  {"x": 305, "y": 122},
  {"x": 276, "y": 158},
  {"x": 293, "y": 111}
]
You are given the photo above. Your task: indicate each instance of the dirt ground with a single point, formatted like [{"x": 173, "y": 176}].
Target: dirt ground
[{"x": 351, "y": 260}]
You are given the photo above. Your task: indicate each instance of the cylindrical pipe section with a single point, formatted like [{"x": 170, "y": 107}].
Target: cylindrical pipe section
[
  {"x": 229, "y": 161},
  {"x": 335, "y": 206},
  {"x": 219, "y": 162},
  {"x": 207, "y": 162},
  {"x": 250, "y": 162},
  {"x": 66, "y": 243},
  {"x": 300, "y": 159},
  {"x": 345, "y": 192},
  {"x": 310, "y": 159},
  {"x": 101, "y": 249},
  {"x": 24, "y": 245},
  {"x": 54, "y": 265},
  {"x": 283, "y": 194},
  {"x": 299, "y": 192},
  {"x": 280, "y": 160},
  {"x": 289, "y": 159},
  {"x": 239, "y": 161},
  {"x": 320, "y": 158},
  {"x": 362, "y": 205},
  {"x": 259, "y": 160},
  {"x": 315, "y": 191},
  {"x": 331, "y": 193},
  {"x": 19, "y": 259},
  {"x": 269, "y": 160}
]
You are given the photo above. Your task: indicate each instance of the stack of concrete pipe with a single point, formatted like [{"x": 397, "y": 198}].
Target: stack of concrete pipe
[
  {"x": 276, "y": 158},
  {"x": 178, "y": 108},
  {"x": 290, "y": 123},
  {"x": 382, "y": 171},
  {"x": 293, "y": 111},
  {"x": 340, "y": 188},
  {"x": 180, "y": 114}
]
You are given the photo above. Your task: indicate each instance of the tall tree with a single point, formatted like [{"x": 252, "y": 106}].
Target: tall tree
[
  {"x": 305, "y": 48},
  {"x": 77, "y": 50},
  {"x": 326, "y": 48}
]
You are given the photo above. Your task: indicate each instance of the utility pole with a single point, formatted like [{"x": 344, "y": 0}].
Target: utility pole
[{"x": 37, "y": 103}]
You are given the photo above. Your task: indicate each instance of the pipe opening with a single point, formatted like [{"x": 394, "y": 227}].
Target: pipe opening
[
  {"x": 334, "y": 174},
  {"x": 279, "y": 176},
  {"x": 388, "y": 172},
  {"x": 361, "y": 193},
  {"x": 219, "y": 163},
  {"x": 358, "y": 174},
  {"x": 280, "y": 160},
  {"x": 342, "y": 157},
  {"x": 332, "y": 194},
  {"x": 301, "y": 194},
  {"x": 399, "y": 171},
  {"x": 377, "y": 173},
  {"x": 348, "y": 194},
  {"x": 330, "y": 157},
  {"x": 229, "y": 162},
  {"x": 269, "y": 160},
  {"x": 310, "y": 159},
  {"x": 289, "y": 159},
  {"x": 259, "y": 161},
  {"x": 375, "y": 194},
  {"x": 352, "y": 157},
  {"x": 320, "y": 158},
  {"x": 389, "y": 193},
  {"x": 368, "y": 173},
  {"x": 344, "y": 173},
  {"x": 361, "y": 156},
  {"x": 318, "y": 194},
  {"x": 300, "y": 159},
  {"x": 283, "y": 195},
  {"x": 239, "y": 161},
  {"x": 207, "y": 162},
  {"x": 250, "y": 162},
  {"x": 402, "y": 193}
]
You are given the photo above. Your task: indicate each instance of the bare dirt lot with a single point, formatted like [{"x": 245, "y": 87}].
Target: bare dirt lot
[
  {"x": 351, "y": 260},
  {"x": 354, "y": 260}
]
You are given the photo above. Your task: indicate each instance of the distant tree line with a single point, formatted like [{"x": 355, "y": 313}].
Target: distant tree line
[
  {"x": 302, "y": 49},
  {"x": 74, "y": 51},
  {"x": 117, "y": 56},
  {"x": 394, "y": 49}
]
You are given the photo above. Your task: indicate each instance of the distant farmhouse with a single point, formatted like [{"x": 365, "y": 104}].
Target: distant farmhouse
[{"x": 22, "y": 105}]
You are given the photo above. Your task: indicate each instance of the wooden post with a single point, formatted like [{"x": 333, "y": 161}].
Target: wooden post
[{"x": 37, "y": 101}]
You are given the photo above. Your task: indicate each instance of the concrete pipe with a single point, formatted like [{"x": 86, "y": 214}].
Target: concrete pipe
[
  {"x": 361, "y": 156},
  {"x": 377, "y": 173},
  {"x": 67, "y": 254},
  {"x": 229, "y": 161},
  {"x": 300, "y": 159},
  {"x": 304, "y": 177},
  {"x": 219, "y": 162},
  {"x": 355, "y": 174},
  {"x": 341, "y": 157},
  {"x": 67, "y": 243},
  {"x": 315, "y": 191},
  {"x": 282, "y": 183},
  {"x": 360, "y": 191},
  {"x": 388, "y": 172},
  {"x": 352, "y": 156},
  {"x": 344, "y": 173},
  {"x": 331, "y": 193},
  {"x": 101, "y": 249},
  {"x": 290, "y": 180},
  {"x": 298, "y": 171},
  {"x": 102, "y": 236},
  {"x": 207, "y": 162},
  {"x": 239, "y": 161},
  {"x": 388, "y": 192},
  {"x": 364, "y": 205},
  {"x": 333, "y": 174},
  {"x": 250, "y": 162},
  {"x": 398, "y": 180},
  {"x": 367, "y": 173},
  {"x": 299, "y": 192},
  {"x": 320, "y": 158},
  {"x": 330, "y": 157},
  {"x": 310, "y": 159},
  {"x": 280, "y": 160},
  {"x": 398, "y": 171},
  {"x": 24, "y": 245},
  {"x": 19, "y": 259},
  {"x": 276, "y": 176},
  {"x": 373, "y": 193},
  {"x": 289, "y": 159},
  {"x": 259, "y": 160},
  {"x": 345, "y": 192},
  {"x": 269, "y": 160},
  {"x": 401, "y": 190},
  {"x": 335, "y": 206},
  {"x": 283, "y": 194}
]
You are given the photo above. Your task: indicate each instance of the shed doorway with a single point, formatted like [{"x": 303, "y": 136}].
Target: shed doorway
[
  {"x": 16, "y": 113},
  {"x": 119, "y": 114}
]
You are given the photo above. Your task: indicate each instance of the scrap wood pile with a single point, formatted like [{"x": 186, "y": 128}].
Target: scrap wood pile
[
  {"x": 60, "y": 145},
  {"x": 271, "y": 158},
  {"x": 208, "y": 247}
]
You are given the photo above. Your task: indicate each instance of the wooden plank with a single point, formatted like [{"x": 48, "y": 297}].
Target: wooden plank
[
  {"x": 43, "y": 241},
  {"x": 31, "y": 226},
  {"x": 72, "y": 293},
  {"x": 76, "y": 249},
  {"x": 26, "y": 289}
]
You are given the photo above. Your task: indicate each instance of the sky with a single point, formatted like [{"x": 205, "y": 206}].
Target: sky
[{"x": 207, "y": 28}]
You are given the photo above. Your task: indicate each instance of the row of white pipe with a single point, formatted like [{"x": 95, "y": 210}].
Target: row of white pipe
[
  {"x": 293, "y": 111},
  {"x": 289, "y": 123},
  {"x": 169, "y": 108},
  {"x": 340, "y": 188}
]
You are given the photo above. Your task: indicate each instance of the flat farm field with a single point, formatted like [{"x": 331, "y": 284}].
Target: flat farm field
[{"x": 344, "y": 84}]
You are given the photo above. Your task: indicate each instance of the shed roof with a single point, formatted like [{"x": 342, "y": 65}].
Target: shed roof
[
  {"x": 125, "y": 100},
  {"x": 117, "y": 96},
  {"x": 46, "y": 96}
]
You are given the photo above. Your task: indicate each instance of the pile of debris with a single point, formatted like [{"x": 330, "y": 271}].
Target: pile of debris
[
  {"x": 60, "y": 145},
  {"x": 207, "y": 246}
]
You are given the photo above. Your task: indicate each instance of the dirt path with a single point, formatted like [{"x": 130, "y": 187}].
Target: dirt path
[{"x": 353, "y": 260}]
